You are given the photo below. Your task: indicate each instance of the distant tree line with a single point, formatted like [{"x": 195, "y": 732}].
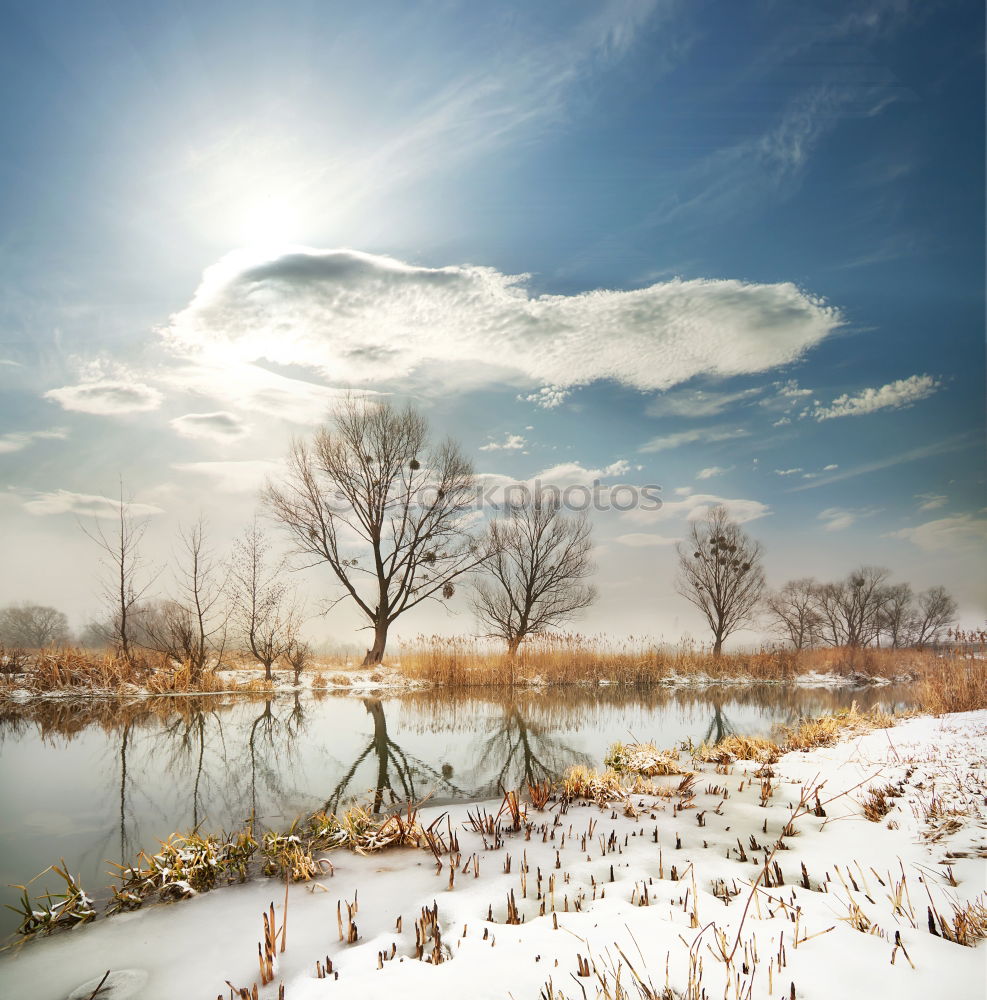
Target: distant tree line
[{"x": 392, "y": 516}]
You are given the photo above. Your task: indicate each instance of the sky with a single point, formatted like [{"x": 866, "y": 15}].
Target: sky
[{"x": 734, "y": 250}]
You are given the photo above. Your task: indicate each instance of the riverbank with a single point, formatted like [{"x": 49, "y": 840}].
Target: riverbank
[
  {"x": 844, "y": 870},
  {"x": 463, "y": 665}
]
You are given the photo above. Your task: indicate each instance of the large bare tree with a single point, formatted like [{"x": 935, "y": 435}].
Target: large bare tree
[
  {"x": 265, "y": 612},
  {"x": 897, "y": 622},
  {"x": 387, "y": 514},
  {"x": 127, "y": 578},
  {"x": 539, "y": 558},
  {"x": 720, "y": 573},
  {"x": 791, "y": 612}
]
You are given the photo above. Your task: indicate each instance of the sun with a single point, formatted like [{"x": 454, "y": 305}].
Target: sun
[{"x": 270, "y": 221}]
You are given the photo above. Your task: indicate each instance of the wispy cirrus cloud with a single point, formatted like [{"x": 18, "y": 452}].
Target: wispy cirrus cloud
[
  {"x": 931, "y": 501},
  {"x": 893, "y": 396},
  {"x": 712, "y": 471},
  {"x": 19, "y": 440},
  {"x": 841, "y": 518},
  {"x": 43, "y": 504},
  {"x": 698, "y": 403},
  {"x": 220, "y": 426},
  {"x": 697, "y": 435}
]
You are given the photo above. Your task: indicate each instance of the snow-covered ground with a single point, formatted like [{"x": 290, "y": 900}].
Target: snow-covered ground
[
  {"x": 387, "y": 678},
  {"x": 666, "y": 884}
]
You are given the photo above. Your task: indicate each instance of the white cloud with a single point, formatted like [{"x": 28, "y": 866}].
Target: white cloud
[
  {"x": 19, "y": 440},
  {"x": 233, "y": 477},
  {"x": 682, "y": 491},
  {"x": 255, "y": 389},
  {"x": 781, "y": 421},
  {"x": 698, "y": 435},
  {"x": 695, "y": 507},
  {"x": 711, "y": 471},
  {"x": 830, "y": 468},
  {"x": 966, "y": 533},
  {"x": 697, "y": 404},
  {"x": 836, "y": 519},
  {"x": 787, "y": 472},
  {"x": 893, "y": 396},
  {"x": 83, "y": 505},
  {"x": 219, "y": 426},
  {"x": 640, "y": 539},
  {"x": 12, "y": 364},
  {"x": 107, "y": 397},
  {"x": 931, "y": 501},
  {"x": 355, "y": 317},
  {"x": 511, "y": 442},
  {"x": 548, "y": 397}
]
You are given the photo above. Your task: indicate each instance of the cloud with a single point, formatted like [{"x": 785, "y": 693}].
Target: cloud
[
  {"x": 960, "y": 533},
  {"x": 233, "y": 477},
  {"x": 707, "y": 435},
  {"x": 830, "y": 468},
  {"x": 83, "y": 505},
  {"x": 931, "y": 501},
  {"x": 107, "y": 397},
  {"x": 19, "y": 440},
  {"x": 255, "y": 389},
  {"x": 359, "y": 318},
  {"x": 957, "y": 442},
  {"x": 787, "y": 472},
  {"x": 697, "y": 404},
  {"x": 841, "y": 518},
  {"x": 893, "y": 396},
  {"x": 12, "y": 364},
  {"x": 696, "y": 505},
  {"x": 548, "y": 397},
  {"x": 511, "y": 442},
  {"x": 219, "y": 426},
  {"x": 641, "y": 539},
  {"x": 711, "y": 471}
]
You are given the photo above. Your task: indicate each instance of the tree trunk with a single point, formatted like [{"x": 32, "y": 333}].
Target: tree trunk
[
  {"x": 718, "y": 646},
  {"x": 268, "y": 676},
  {"x": 512, "y": 645},
  {"x": 376, "y": 652}
]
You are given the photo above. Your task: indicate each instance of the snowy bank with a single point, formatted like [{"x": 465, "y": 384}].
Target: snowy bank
[{"x": 697, "y": 887}]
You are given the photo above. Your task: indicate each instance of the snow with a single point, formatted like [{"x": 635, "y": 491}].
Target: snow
[{"x": 888, "y": 873}]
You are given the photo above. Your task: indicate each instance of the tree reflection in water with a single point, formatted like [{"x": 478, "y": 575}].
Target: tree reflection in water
[{"x": 391, "y": 758}]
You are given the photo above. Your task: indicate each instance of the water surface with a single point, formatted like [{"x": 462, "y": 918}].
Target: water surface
[{"x": 97, "y": 781}]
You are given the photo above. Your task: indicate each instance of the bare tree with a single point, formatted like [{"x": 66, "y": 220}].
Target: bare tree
[
  {"x": 389, "y": 519},
  {"x": 936, "y": 612},
  {"x": 264, "y": 610},
  {"x": 897, "y": 617},
  {"x": 298, "y": 655},
  {"x": 792, "y": 612},
  {"x": 538, "y": 560},
  {"x": 191, "y": 627},
  {"x": 32, "y": 626},
  {"x": 852, "y": 609},
  {"x": 127, "y": 581},
  {"x": 720, "y": 573}
]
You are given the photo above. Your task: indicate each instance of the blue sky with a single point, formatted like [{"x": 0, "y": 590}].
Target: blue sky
[{"x": 732, "y": 249}]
